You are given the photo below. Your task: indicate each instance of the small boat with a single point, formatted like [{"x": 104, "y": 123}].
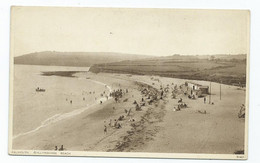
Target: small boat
[{"x": 39, "y": 90}]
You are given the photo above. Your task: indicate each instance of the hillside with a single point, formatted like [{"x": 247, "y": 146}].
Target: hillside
[
  {"x": 77, "y": 59},
  {"x": 228, "y": 69}
]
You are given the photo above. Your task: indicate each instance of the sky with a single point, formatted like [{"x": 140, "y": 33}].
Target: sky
[{"x": 158, "y": 32}]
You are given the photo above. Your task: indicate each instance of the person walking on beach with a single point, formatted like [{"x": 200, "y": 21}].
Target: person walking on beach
[{"x": 204, "y": 100}]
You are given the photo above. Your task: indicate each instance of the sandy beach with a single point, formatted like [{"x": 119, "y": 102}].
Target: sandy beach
[{"x": 155, "y": 128}]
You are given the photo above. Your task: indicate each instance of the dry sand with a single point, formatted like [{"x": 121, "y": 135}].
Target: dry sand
[{"x": 157, "y": 128}]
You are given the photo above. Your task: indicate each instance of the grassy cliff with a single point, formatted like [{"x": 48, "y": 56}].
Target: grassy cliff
[{"x": 228, "y": 69}]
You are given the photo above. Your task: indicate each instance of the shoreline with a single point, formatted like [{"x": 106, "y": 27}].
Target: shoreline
[
  {"x": 71, "y": 73},
  {"x": 153, "y": 125},
  {"x": 62, "y": 116},
  {"x": 167, "y": 76}
]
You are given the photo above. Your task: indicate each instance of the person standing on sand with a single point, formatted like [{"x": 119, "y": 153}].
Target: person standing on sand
[
  {"x": 105, "y": 129},
  {"x": 204, "y": 100},
  {"x": 115, "y": 124},
  {"x": 61, "y": 148}
]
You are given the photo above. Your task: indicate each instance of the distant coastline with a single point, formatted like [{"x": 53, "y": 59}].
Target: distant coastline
[
  {"x": 221, "y": 68},
  {"x": 73, "y": 59},
  {"x": 60, "y": 73},
  {"x": 226, "y": 69}
]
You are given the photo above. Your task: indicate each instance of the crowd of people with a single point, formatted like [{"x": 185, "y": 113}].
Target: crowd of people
[{"x": 149, "y": 95}]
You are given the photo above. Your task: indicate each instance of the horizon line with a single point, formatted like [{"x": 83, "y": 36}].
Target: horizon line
[{"x": 175, "y": 54}]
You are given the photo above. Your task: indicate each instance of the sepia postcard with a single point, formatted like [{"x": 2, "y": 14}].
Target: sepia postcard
[{"x": 129, "y": 82}]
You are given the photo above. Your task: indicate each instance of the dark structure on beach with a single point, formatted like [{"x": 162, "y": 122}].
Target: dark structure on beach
[{"x": 197, "y": 89}]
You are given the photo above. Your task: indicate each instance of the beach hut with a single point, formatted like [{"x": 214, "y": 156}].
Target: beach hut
[
  {"x": 197, "y": 89},
  {"x": 204, "y": 89}
]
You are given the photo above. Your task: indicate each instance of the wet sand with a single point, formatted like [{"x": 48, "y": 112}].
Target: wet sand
[
  {"x": 157, "y": 128},
  {"x": 62, "y": 96}
]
